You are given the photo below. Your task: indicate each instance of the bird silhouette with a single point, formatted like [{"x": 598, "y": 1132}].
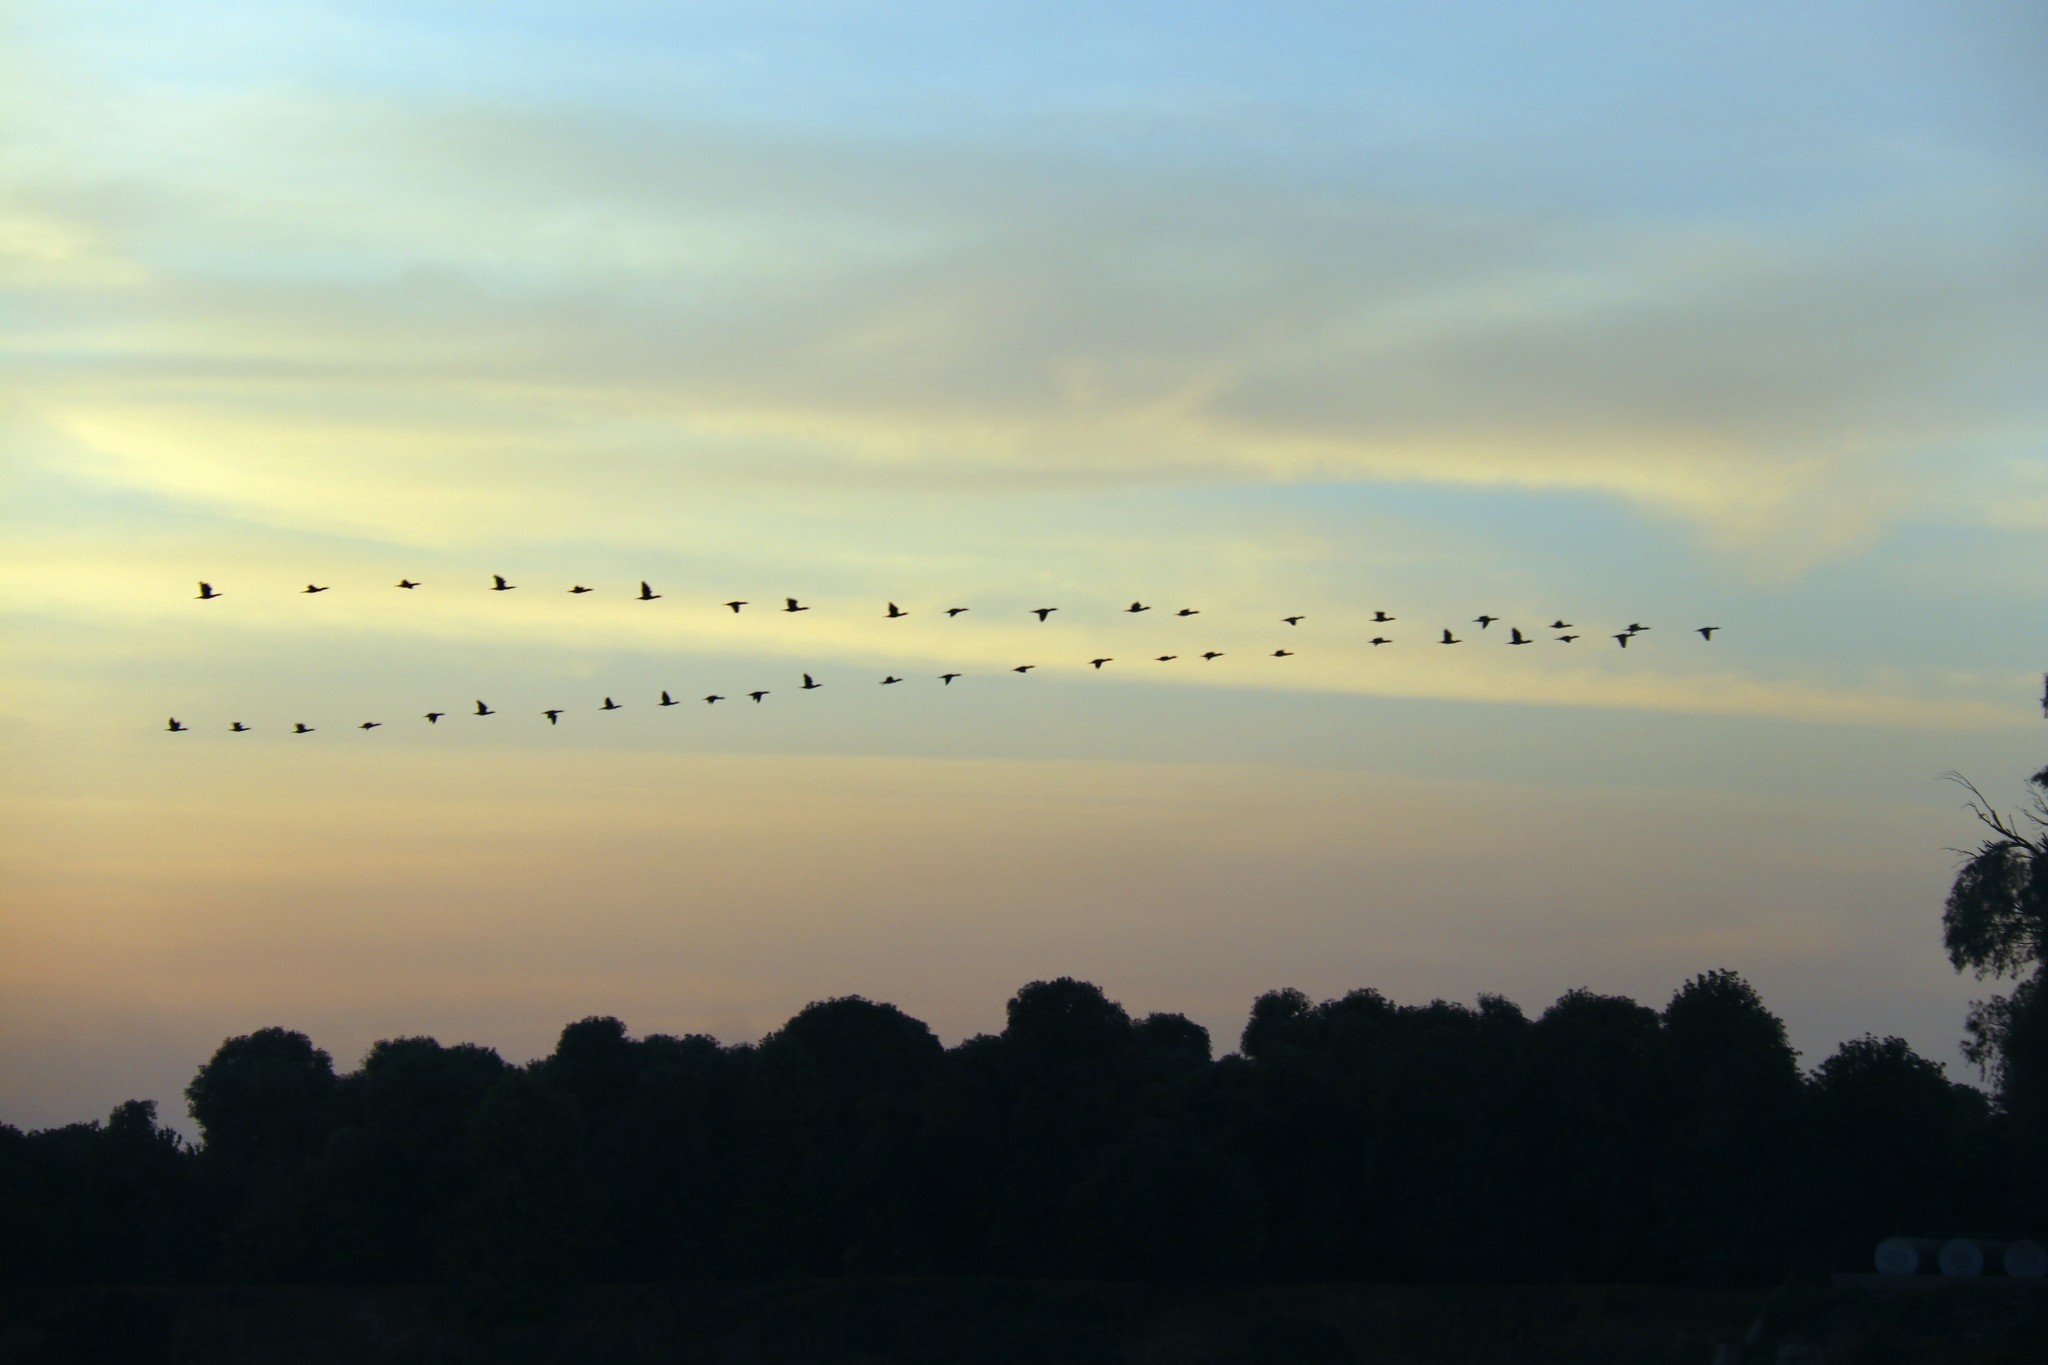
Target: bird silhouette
[
  {"x": 810, "y": 682},
  {"x": 758, "y": 695},
  {"x": 206, "y": 592},
  {"x": 1567, "y": 639},
  {"x": 1636, "y": 629},
  {"x": 407, "y": 583},
  {"x": 947, "y": 678},
  {"x": 176, "y": 726},
  {"x": 1560, "y": 625},
  {"x": 1294, "y": 620},
  {"x": 1380, "y": 617},
  {"x": 954, "y": 611},
  {"x": 554, "y": 715},
  {"x": 498, "y": 583},
  {"x": 311, "y": 588},
  {"x": 1485, "y": 621},
  {"x": 1100, "y": 662},
  {"x": 610, "y": 705},
  {"x": 579, "y": 588},
  {"x": 1042, "y": 612},
  {"x": 712, "y": 698},
  {"x": 1379, "y": 640},
  {"x": 1166, "y": 658},
  {"x": 666, "y": 699},
  {"x": 1187, "y": 611},
  {"x": 1137, "y": 606},
  {"x": 647, "y": 594},
  {"x": 1023, "y": 668},
  {"x": 892, "y": 678},
  {"x": 790, "y": 605},
  {"x": 1705, "y": 632},
  {"x": 1451, "y": 639},
  {"x": 434, "y": 717},
  {"x": 300, "y": 727},
  {"x": 896, "y": 611},
  {"x": 736, "y": 605},
  {"x": 1623, "y": 638},
  {"x": 369, "y": 725},
  {"x": 239, "y": 728},
  {"x": 483, "y": 710},
  {"x": 1515, "y": 636},
  {"x": 1283, "y": 653},
  {"x": 1212, "y": 654}
]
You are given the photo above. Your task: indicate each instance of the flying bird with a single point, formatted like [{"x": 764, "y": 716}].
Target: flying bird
[
  {"x": 369, "y": 725},
  {"x": 647, "y": 594},
  {"x": 1213, "y": 654},
  {"x": 1567, "y": 639},
  {"x": 579, "y": 588},
  {"x": 810, "y": 682},
  {"x": 736, "y": 605},
  {"x": 498, "y": 583},
  {"x": 1485, "y": 621},
  {"x": 758, "y": 695},
  {"x": 483, "y": 710},
  {"x": 1100, "y": 662},
  {"x": 790, "y": 605},
  {"x": 206, "y": 592},
  {"x": 954, "y": 611},
  {"x": 1042, "y": 612},
  {"x": 896, "y": 611},
  {"x": 610, "y": 705},
  {"x": 1137, "y": 606},
  {"x": 892, "y": 678},
  {"x": 407, "y": 583},
  {"x": 666, "y": 699},
  {"x": 1379, "y": 640},
  {"x": 300, "y": 727},
  {"x": 712, "y": 698},
  {"x": 239, "y": 728},
  {"x": 1515, "y": 636},
  {"x": 1451, "y": 639},
  {"x": 1705, "y": 632},
  {"x": 1283, "y": 653},
  {"x": 434, "y": 717},
  {"x": 554, "y": 715},
  {"x": 1166, "y": 658},
  {"x": 176, "y": 726},
  {"x": 1187, "y": 611},
  {"x": 1380, "y": 617},
  {"x": 1294, "y": 620},
  {"x": 311, "y": 588},
  {"x": 947, "y": 678},
  {"x": 1560, "y": 625},
  {"x": 1023, "y": 668},
  {"x": 1634, "y": 628},
  {"x": 1623, "y": 638}
]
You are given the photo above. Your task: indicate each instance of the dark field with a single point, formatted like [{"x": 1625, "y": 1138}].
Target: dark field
[{"x": 937, "y": 1322}]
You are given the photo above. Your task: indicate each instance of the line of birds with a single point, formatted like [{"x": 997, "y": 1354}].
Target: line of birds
[
  {"x": 809, "y": 684},
  {"x": 208, "y": 593}
]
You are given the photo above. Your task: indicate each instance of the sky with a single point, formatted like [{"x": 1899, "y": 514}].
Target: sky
[{"x": 1606, "y": 313}]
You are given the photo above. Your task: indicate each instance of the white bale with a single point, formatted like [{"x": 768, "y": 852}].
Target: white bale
[
  {"x": 2026, "y": 1259},
  {"x": 1964, "y": 1258},
  {"x": 1906, "y": 1255}
]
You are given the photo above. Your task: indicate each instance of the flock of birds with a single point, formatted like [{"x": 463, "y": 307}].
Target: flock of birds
[{"x": 208, "y": 593}]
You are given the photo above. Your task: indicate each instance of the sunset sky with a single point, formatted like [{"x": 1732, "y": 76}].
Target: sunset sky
[{"x": 1610, "y": 312}]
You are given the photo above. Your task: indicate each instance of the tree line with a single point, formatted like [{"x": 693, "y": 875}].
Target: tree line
[{"x": 1352, "y": 1138}]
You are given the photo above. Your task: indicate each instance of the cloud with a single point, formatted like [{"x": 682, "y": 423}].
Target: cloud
[{"x": 325, "y": 295}]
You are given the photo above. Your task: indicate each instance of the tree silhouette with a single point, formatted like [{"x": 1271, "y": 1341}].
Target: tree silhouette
[{"x": 1995, "y": 924}]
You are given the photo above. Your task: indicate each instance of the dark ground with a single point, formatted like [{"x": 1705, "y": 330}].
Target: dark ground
[{"x": 943, "y": 1322}]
